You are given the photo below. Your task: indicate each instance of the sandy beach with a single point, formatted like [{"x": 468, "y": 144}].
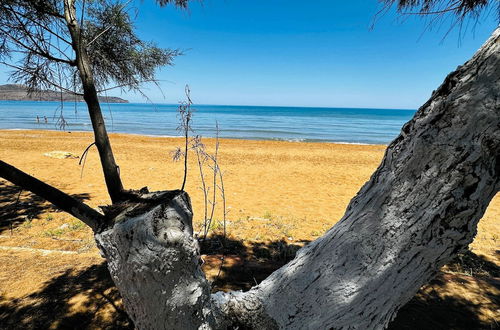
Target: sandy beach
[
  {"x": 275, "y": 191},
  {"x": 306, "y": 185}
]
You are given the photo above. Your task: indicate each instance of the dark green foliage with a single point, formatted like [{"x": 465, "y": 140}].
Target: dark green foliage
[
  {"x": 178, "y": 3},
  {"x": 120, "y": 56},
  {"x": 460, "y": 9},
  {"x": 30, "y": 39},
  {"x": 36, "y": 43}
]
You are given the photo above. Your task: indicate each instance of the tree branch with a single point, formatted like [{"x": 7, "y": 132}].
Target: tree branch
[
  {"x": 106, "y": 29},
  {"x": 49, "y": 82},
  {"x": 65, "y": 202},
  {"x": 46, "y": 28},
  {"x": 126, "y": 85},
  {"x": 437, "y": 12},
  {"x": 42, "y": 53},
  {"x": 22, "y": 25}
]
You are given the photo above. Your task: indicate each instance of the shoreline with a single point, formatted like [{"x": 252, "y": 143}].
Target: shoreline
[
  {"x": 294, "y": 124},
  {"x": 203, "y": 137}
]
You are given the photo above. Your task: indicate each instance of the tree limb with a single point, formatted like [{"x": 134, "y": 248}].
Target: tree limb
[
  {"x": 126, "y": 85},
  {"x": 42, "y": 53},
  {"x": 65, "y": 202},
  {"x": 49, "y": 82},
  {"x": 45, "y": 27},
  {"x": 106, "y": 29}
]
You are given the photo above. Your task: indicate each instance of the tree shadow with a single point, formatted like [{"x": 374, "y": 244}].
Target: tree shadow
[
  {"x": 431, "y": 309},
  {"x": 84, "y": 299},
  {"x": 88, "y": 299},
  {"x": 19, "y": 206},
  {"x": 232, "y": 265},
  {"x": 474, "y": 265},
  {"x": 437, "y": 305}
]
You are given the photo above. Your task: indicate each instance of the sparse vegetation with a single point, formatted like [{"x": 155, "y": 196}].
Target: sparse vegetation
[
  {"x": 27, "y": 223},
  {"x": 204, "y": 160},
  {"x": 241, "y": 266},
  {"x": 54, "y": 232}
]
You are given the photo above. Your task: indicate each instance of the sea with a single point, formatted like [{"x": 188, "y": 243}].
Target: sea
[{"x": 299, "y": 124}]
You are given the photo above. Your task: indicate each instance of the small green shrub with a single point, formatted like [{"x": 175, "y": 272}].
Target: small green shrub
[
  {"x": 53, "y": 232},
  {"x": 76, "y": 225}
]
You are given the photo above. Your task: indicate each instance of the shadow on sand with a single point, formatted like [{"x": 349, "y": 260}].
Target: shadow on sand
[
  {"x": 19, "y": 206},
  {"x": 74, "y": 300},
  {"x": 430, "y": 310},
  {"x": 87, "y": 299},
  {"x": 232, "y": 265}
]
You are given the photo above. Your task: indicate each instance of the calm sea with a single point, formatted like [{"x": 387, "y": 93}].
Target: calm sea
[{"x": 347, "y": 125}]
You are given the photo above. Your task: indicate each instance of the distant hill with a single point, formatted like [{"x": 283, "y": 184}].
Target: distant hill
[{"x": 13, "y": 92}]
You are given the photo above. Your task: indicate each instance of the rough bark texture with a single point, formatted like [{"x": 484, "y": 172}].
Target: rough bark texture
[
  {"x": 155, "y": 263},
  {"x": 418, "y": 210}
]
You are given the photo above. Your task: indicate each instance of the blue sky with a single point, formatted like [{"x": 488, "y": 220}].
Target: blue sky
[{"x": 302, "y": 53}]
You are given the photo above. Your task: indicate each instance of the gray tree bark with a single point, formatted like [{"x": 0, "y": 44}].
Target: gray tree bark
[
  {"x": 419, "y": 209},
  {"x": 155, "y": 263}
]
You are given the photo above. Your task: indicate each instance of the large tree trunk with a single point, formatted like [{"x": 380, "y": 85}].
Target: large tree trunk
[
  {"x": 155, "y": 263},
  {"x": 419, "y": 209}
]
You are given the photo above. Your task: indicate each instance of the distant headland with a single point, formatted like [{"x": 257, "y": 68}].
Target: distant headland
[{"x": 14, "y": 92}]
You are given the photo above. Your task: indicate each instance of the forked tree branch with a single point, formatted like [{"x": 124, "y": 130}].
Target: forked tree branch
[{"x": 65, "y": 202}]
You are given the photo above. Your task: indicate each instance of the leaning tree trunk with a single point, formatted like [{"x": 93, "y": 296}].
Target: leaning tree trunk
[
  {"x": 419, "y": 209},
  {"x": 110, "y": 169}
]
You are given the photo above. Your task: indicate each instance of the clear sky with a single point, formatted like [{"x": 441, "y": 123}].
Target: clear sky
[{"x": 302, "y": 53}]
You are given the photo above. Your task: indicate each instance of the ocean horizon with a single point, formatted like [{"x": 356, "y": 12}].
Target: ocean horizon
[{"x": 298, "y": 124}]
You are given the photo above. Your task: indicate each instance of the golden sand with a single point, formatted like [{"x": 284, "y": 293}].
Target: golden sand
[
  {"x": 274, "y": 191},
  {"x": 303, "y": 188}
]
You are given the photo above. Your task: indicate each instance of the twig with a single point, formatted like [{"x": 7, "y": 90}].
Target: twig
[
  {"x": 67, "y": 239},
  {"x": 201, "y": 157},
  {"x": 83, "y": 158},
  {"x": 221, "y": 187},
  {"x": 47, "y": 81},
  {"x": 214, "y": 169},
  {"x": 185, "y": 114},
  {"x": 223, "y": 196},
  {"x": 106, "y": 29}
]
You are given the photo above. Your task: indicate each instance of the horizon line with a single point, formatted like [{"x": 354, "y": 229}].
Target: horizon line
[{"x": 227, "y": 105}]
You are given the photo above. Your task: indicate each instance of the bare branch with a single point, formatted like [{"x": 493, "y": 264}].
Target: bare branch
[
  {"x": 126, "y": 85},
  {"x": 100, "y": 34},
  {"x": 65, "y": 202},
  {"x": 438, "y": 12}
]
